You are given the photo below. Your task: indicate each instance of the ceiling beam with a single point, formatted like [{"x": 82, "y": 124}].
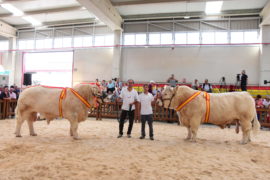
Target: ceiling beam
[
  {"x": 247, "y": 12},
  {"x": 265, "y": 14},
  {"x": 104, "y": 11},
  {"x": 46, "y": 11},
  {"x": 7, "y": 30},
  {"x": 61, "y": 23},
  {"x": 138, "y": 2}
]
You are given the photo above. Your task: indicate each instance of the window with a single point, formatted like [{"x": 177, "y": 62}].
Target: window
[
  {"x": 166, "y": 38},
  {"x": 99, "y": 40},
  {"x": 4, "y": 45},
  {"x": 251, "y": 37},
  {"x": 58, "y": 43},
  {"x": 50, "y": 68},
  {"x": 193, "y": 38},
  {"x": 67, "y": 42},
  {"x": 237, "y": 37},
  {"x": 154, "y": 38},
  {"x": 40, "y": 44},
  {"x": 129, "y": 39},
  {"x": 78, "y": 42},
  {"x": 140, "y": 39},
  {"x": 26, "y": 44},
  {"x": 48, "y": 43},
  {"x": 221, "y": 37},
  {"x": 180, "y": 38},
  {"x": 208, "y": 37},
  {"x": 87, "y": 41},
  {"x": 109, "y": 40}
]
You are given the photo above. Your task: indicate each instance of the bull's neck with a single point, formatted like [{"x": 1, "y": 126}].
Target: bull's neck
[{"x": 184, "y": 95}]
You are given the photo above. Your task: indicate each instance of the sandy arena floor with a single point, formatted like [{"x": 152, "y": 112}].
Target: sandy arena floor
[{"x": 100, "y": 155}]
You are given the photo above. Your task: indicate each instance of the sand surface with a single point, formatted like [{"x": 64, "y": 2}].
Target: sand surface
[{"x": 100, "y": 155}]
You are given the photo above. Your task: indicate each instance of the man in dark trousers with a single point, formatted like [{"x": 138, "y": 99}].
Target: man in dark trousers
[
  {"x": 244, "y": 80},
  {"x": 130, "y": 97},
  {"x": 146, "y": 100}
]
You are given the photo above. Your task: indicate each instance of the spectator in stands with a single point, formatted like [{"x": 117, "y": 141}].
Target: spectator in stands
[
  {"x": 118, "y": 83},
  {"x": 12, "y": 93},
  {"x": 196, "y": 84},
  {"x": 207, "y": 86},
  {"x": 184, "y": 80},
  {"x": 5, "y": 93},
  {"x": 151, "y": 87},
  {"x": 110, "y": 86},
  {"x": 103, "y": 83},
  {"x": 97, "y": 82},
  {"x": 172, "y": 81},
  {"x": 259, "y": 102},
  {"x": 244, "y": 81},
  {"x": 146, "y": 100},
  {"x": 17, "y": 91},
  {"x": 266, "y": 102},
  {"x": 130, "y": 97}
]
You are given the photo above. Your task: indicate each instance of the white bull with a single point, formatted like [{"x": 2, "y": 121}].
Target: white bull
[
  {"x": 45, "y": 101},
  {"x": 225, "y": 108}
]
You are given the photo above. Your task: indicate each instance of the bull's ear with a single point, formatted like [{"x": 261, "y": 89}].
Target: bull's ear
[{"x": 175, "y": 89}]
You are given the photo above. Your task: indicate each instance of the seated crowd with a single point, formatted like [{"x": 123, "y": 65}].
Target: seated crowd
[{"x": 11, "y": 92}]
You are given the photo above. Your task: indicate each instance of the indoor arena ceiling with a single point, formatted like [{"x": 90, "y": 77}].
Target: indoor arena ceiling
[{"x": 63, "y": 12}]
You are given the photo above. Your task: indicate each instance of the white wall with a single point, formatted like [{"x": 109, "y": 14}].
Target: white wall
[
  {"x": 145, "y": 64},
  {"x": 90, "y": 64}
]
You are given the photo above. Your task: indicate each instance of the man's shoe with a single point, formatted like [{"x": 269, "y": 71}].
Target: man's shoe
[
  {"x": 152, "y": 138},
  {"x": 129, "y": 136},
  {"x": 119, "y": 136},
  {"x": 142, "y": 137}
]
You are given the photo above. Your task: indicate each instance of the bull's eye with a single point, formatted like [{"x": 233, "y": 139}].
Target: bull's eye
[{"x": 165, "y": 94}]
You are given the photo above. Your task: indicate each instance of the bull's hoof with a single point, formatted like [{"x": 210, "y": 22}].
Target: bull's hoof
[
  {"x": 76, "y": 138},
  {"x": 187, "y": 139},
  {"x": 34, "y": 134},
  {"x": 243, "y": 142},
  {"x": 18, "y": 135},
  {"x": 193, "y": 140}
]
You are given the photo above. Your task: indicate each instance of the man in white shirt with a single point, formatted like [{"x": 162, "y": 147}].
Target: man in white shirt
[
  {"x": 145, "y": 100},
  {"x": 130, "y": 97},
  {"x": 266, "y": 102}
]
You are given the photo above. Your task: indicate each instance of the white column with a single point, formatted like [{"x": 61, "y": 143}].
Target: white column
[
  {"x": 265, "y": 55},
  {"x": 116, "y": 64},
  {"x": 11, "y": 58}
]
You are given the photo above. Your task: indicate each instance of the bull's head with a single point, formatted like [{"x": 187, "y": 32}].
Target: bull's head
[
  {"x": 167, "y": 96},
  {"x": 97, "y": 93}
]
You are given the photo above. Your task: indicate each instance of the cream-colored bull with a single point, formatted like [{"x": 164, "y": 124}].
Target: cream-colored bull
[
  {"x": 45, "y": 101},
  {"x": 224, "y": 109}
]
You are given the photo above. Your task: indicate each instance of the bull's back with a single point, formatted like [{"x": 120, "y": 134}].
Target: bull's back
[
  {"x": 39, "y": 97},
  {"x": 235, "y": 105}
]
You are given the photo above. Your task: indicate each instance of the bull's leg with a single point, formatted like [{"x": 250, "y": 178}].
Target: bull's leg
[
  {"x": 194, "y": 125},
  {"x": 30, "y": 122},
  {"x": 189, "y": 134},
  {"x": 18, "y": 126},
  {"x": 246, "y": 128},
  {"x": 70, "y": 131},
  {"x": 74, "y": 128}
]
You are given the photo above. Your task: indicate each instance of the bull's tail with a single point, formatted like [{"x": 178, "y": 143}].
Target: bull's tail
[{"x": 256, "y": 124}]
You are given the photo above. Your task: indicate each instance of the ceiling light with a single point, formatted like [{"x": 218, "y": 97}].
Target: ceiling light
[
  {"x": 186, "y": 17},
  {"x": 15, "y": 11},
  {"x": 213, "y": 7},
  {"x": 33, "y": 21}
]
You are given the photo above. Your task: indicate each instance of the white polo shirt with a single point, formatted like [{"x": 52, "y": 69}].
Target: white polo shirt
[
  {"x": 145, "y": 100},
  {"x": 128, "y": 97}
]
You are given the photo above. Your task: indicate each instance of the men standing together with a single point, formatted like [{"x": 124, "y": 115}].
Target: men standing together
[{"x": 130, "y": 97}]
